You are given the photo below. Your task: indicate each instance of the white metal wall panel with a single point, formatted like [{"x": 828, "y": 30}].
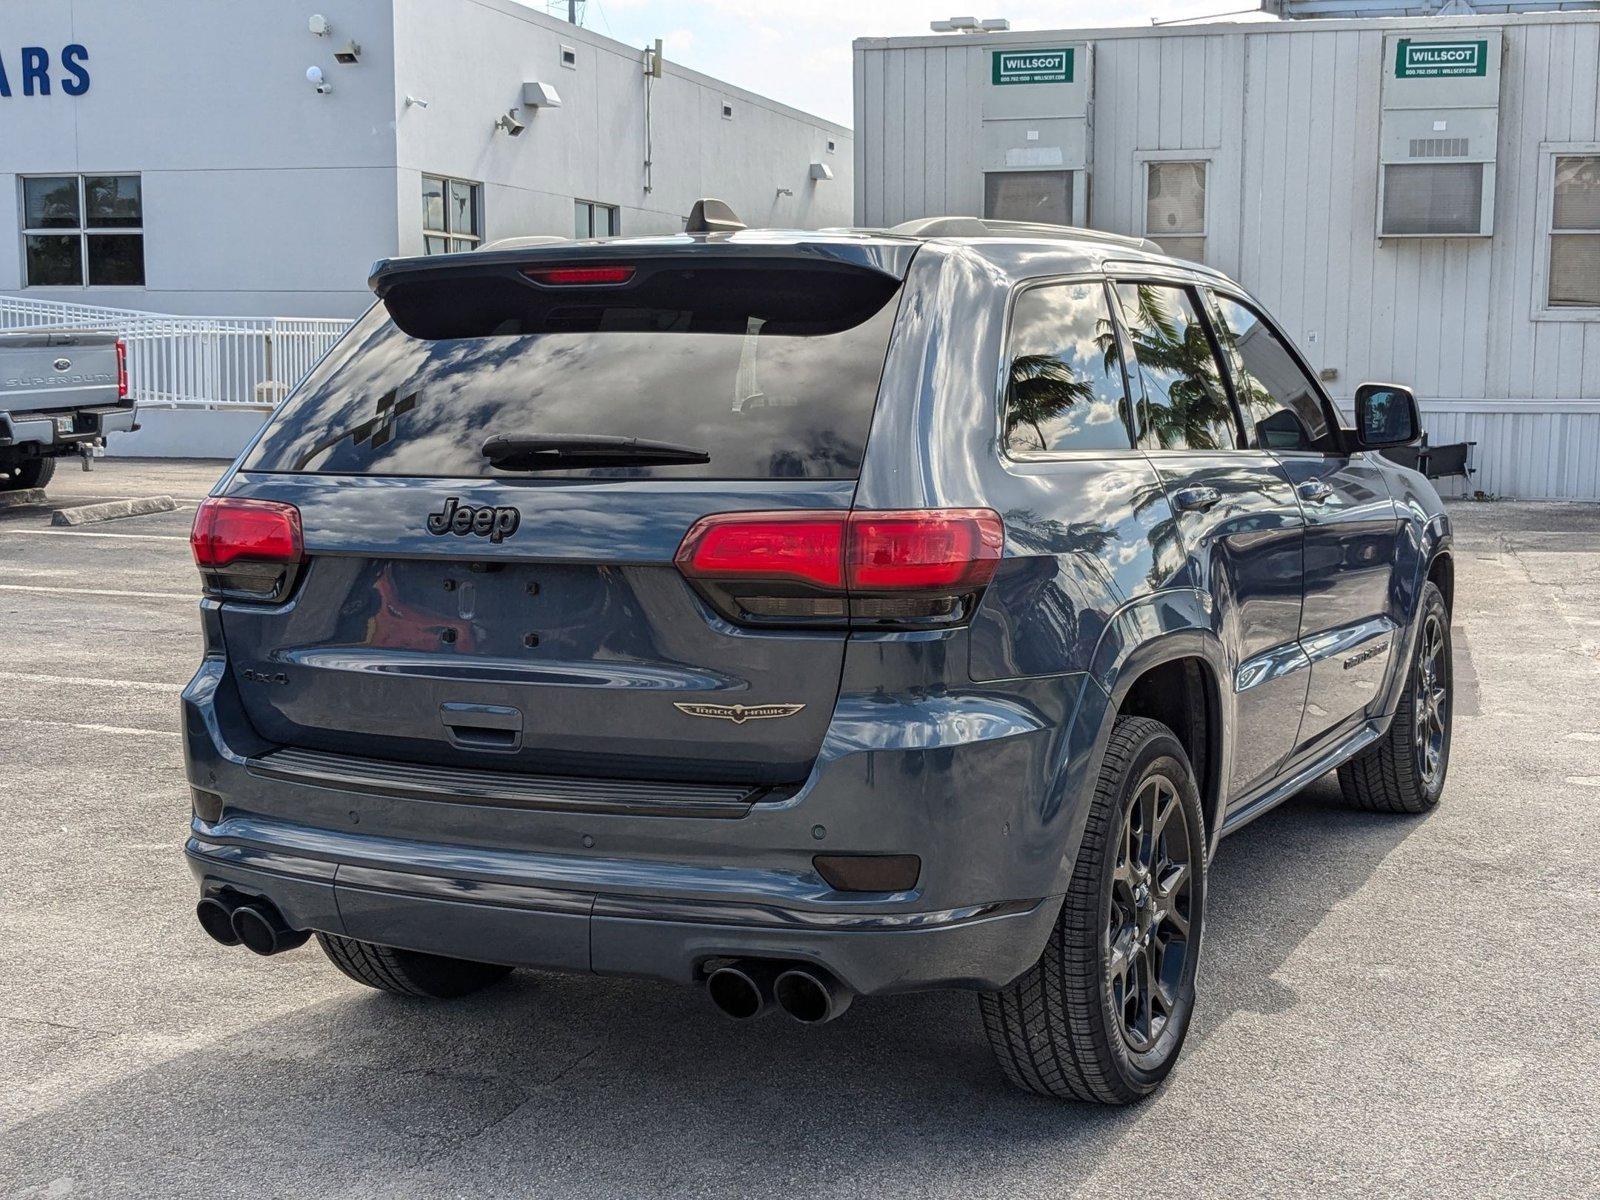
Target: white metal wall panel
[{"x": 1288, "y": 117}]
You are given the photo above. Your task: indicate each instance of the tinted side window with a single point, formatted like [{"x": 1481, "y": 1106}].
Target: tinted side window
[
  {"x": 1185, "y": 405},
  {"x": 1064, "y": 390},
  {"x": 1278, "y": 401}
]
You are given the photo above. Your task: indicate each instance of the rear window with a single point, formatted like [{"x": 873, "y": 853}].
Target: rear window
[{"x": 771, "y": 369}]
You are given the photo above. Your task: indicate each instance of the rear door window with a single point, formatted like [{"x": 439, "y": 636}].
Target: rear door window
[
  {"x": 1185, "y": 405},
  {"x": 1278, "y": 400},
  {"x": 769, "y": 368},
  {"x": 1064, "y": 385}
]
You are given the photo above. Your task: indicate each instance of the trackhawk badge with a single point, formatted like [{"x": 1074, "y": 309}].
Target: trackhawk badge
[{"x": 739, "y": 713}]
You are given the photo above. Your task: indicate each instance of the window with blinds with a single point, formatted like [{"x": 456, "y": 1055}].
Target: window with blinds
[{"x": 1573, "y": 279}]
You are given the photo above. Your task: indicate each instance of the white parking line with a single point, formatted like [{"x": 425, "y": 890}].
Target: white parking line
[
  {"x": 90, "y": 681},
  {"x": 90, "y": 728},
  {"x": 138, "y": 537},
  {"x": 72, "y": 591}
]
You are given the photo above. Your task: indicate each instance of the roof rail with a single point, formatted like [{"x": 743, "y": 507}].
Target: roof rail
[{"x": 982, "y": 227}]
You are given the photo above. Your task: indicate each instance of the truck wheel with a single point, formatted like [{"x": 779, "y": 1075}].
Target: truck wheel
[
  {"x": 30, "y": 473},
  {"x": 1103, "y": 1013},
  {"x": 1403, "y": 771},
  {"x": 408, "y": 972}
]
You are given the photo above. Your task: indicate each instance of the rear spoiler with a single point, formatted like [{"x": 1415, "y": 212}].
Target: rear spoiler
[{"x": 886, "y": 257}]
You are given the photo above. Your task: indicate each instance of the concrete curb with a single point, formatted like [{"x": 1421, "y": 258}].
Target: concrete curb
[
  {"x": 86, "y": 514},
  {"x": 21, "y": 499}
]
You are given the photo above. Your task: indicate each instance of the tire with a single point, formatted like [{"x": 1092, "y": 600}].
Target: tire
[
  {"x": 1063, "y": 1028},
  {"x": 1404, "y": 770},
  {"x": 30, "y": 473},
  {"x": 408, "y": 972}
]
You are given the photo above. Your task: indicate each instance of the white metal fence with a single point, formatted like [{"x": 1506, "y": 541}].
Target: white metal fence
[{"x": 184, "y": 361}]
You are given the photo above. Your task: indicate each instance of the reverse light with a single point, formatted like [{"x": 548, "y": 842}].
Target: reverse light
[
  {"x": 579, "y": 276},
  {"x": 122, "y": 369},
  {"x": 247, "y": 549},
  {"x": 919, "y": 567}
]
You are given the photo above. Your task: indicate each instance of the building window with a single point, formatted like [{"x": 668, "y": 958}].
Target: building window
[
  {"x": 595, "y": 220},
  {"x": 727, "y": 111},
  {"x": 452, "y": 215},
  {"x": 1175, "y": 207},
  {"x": 831, "y": 146},
  {"x": 569, "y": 57},
  {"x": 83, "y": 231},
  {"x": 1028, "y": 196},
  {"x": 1574, "y": 233}
]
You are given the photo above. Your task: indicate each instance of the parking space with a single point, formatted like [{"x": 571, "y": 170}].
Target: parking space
[{"x": 1387, "y": 1005}]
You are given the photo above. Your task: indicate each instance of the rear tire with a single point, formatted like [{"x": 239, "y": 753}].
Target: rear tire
[
  {"x": 30, "y": 473},
  {"x": 408, "y": 972},
  {"x": 1082, "y": 1023},
  {"x": 1403, "y": 771}
]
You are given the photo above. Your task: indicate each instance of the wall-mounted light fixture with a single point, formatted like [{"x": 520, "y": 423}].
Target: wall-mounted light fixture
[
  {"x": 416, "y": 102},
  {"x": 315, "y": 79},
  {"x": 348, "y": 53},
  {"x": 319, "y": 25}
]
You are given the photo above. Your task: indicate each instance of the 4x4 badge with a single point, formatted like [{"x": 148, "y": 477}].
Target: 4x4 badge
[{"x": 739, "y": 713}]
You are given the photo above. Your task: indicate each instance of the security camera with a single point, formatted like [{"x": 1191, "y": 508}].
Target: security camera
[
  {"x": 510, "y": 124},
  {"x": 350, "y": 52},
  {"x": 315, "y": 79},
  {"x": 320, "y": 25}
]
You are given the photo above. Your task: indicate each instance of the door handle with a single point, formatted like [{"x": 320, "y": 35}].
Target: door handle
[
  {"x": 1195, "y": 499},
  {"x": 1315, "y": 490}
]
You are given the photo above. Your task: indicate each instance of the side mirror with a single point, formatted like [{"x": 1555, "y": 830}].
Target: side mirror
[{"x": 1386, "y": 415}]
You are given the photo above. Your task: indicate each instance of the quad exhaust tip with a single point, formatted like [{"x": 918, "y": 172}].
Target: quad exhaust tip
[
  {"x": 258, "y": 925},
  {"x": 751, "y": 988}
]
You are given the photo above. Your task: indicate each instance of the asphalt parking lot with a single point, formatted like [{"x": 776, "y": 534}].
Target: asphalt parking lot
[{"x": 1388, "y": 1006}]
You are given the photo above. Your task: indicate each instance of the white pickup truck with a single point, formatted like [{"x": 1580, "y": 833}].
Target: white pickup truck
[{"x": 61, "y": 392}]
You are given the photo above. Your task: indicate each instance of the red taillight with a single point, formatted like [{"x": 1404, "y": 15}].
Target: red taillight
[
  {"x": 122, "y": 369},
  {"x": 914, "y": 565},
  {"x": 803, "y": 546},
  {"x": 228, "y": 530},
  {"x": 943, "y": 549},
  {"x": 579, "y": 276}
]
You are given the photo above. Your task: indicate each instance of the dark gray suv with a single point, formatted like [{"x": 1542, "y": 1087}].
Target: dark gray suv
[{"x": 805, "y": 615}]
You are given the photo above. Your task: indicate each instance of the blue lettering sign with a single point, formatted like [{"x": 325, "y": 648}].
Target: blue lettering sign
[
  {"x": 35, "y": 71},
  {"x": 33, "y": 62},
  {"x": 72, "y": 59}
]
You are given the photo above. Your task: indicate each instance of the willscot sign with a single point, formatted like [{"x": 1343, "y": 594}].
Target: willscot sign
[
  {"x": 1433, "y": 60},
  {"x": 1032, "y": 66}
]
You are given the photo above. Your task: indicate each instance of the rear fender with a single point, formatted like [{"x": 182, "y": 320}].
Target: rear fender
[{"x": 1160, "y": 628}]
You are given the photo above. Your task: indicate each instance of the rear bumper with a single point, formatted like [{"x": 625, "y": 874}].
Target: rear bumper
[
  {"x": 467, "y": 915},
  {"x": 973, "y": 784},
  {"x": 63, "y": 431}
]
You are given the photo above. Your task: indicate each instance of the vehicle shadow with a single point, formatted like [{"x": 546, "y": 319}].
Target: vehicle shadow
[{"x": 582, "y": 1086}]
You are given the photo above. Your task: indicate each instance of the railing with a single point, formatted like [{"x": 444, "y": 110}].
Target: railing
[{"x": 183, "y": 361}]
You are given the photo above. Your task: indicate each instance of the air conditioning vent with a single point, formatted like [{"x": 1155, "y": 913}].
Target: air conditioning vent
[{"x": 1439, "y": 148}]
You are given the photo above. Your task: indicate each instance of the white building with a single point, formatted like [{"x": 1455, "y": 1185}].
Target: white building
[
  {"x": 174, "y": 156},
  {"x": 1417, "y": 199}
]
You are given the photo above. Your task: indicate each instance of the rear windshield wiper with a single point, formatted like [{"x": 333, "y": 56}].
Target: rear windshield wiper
[{"x": 563, "y": 451}]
